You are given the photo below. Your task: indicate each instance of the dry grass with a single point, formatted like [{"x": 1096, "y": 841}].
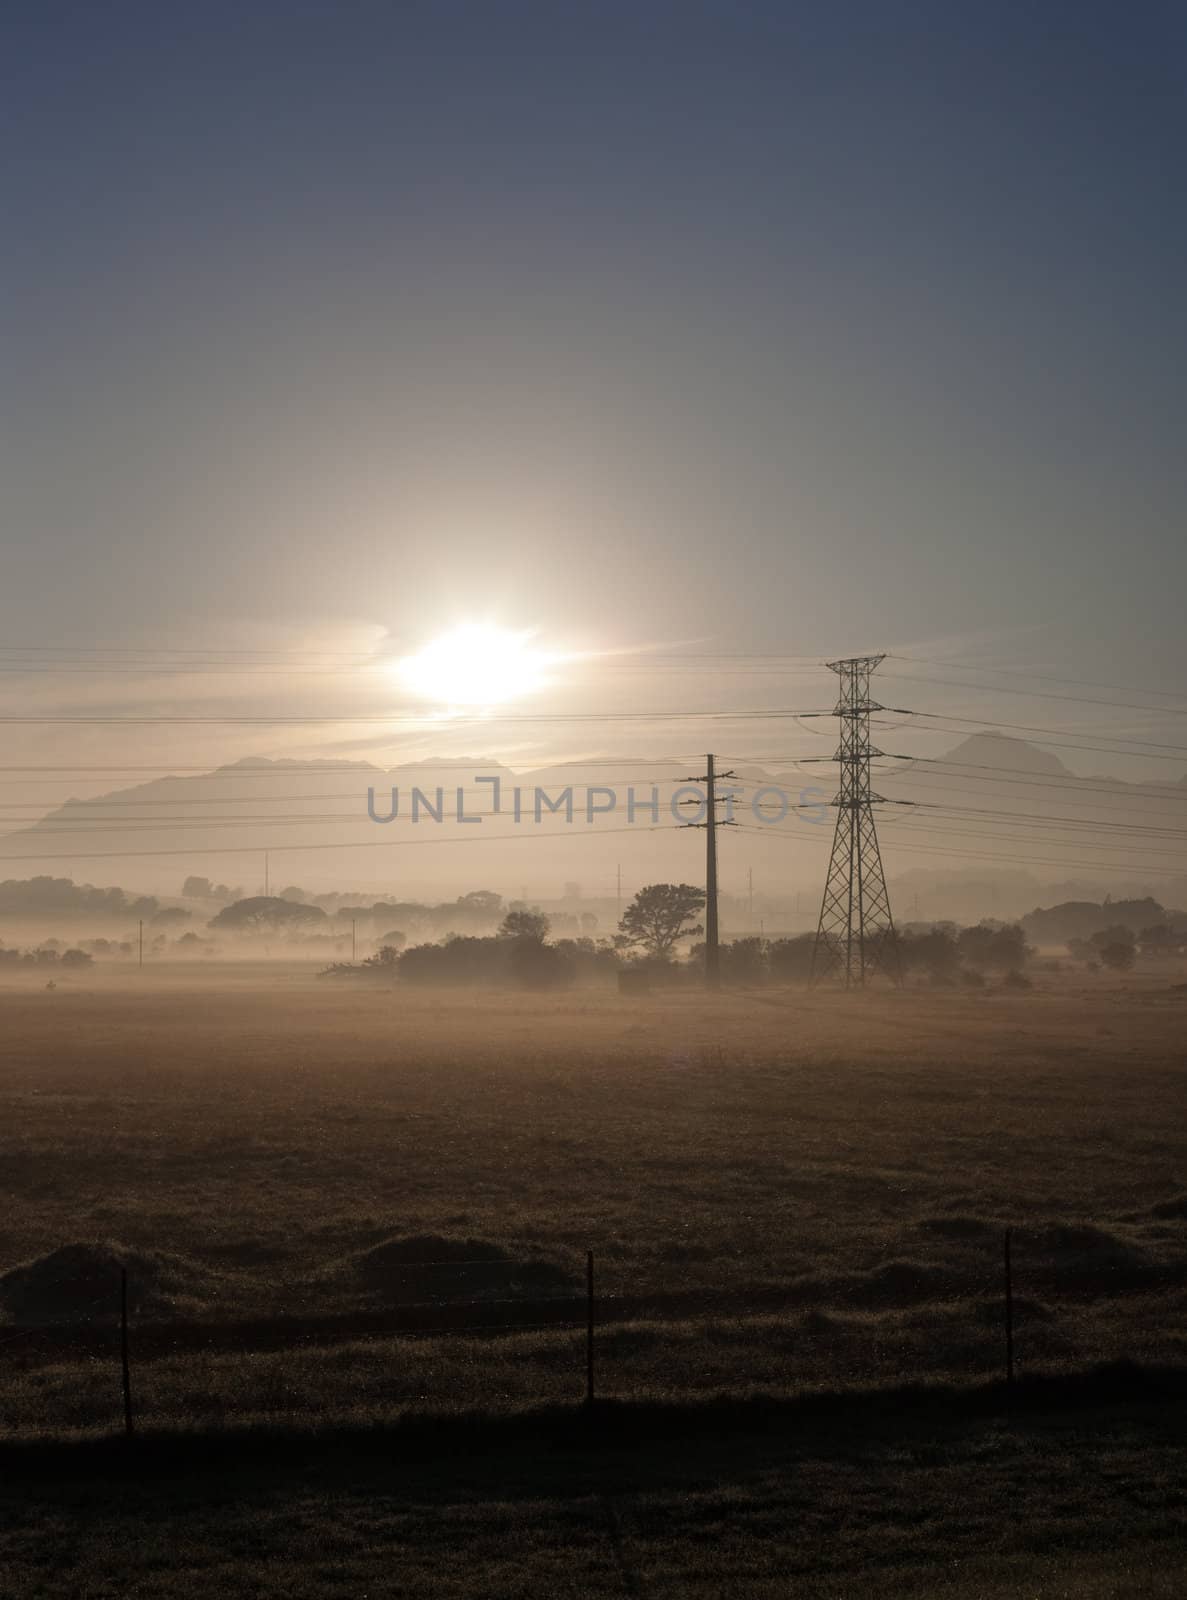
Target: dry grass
[
  {"x": 785, "y": 1190},
  {"x": 785, "y": 1193}
]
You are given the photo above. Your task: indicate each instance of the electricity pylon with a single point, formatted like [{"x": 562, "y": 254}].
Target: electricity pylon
[{"x": 855, "y": 935}]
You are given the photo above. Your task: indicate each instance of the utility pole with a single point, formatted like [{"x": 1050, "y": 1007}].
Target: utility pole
[
  {"x": 855, "y": 935},
  {"x": 711, "y": 825}
]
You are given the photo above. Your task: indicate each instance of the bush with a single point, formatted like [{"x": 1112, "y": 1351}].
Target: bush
[
  {"x": 997, "y": 948},
  {"x": 1117, "y": 957},
  {"x": 536, "y": 965}
]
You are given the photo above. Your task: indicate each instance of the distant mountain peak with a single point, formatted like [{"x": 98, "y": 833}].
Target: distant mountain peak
[
  {"x": 999, "y": 750},
  {"x": 266, "y": 763}
]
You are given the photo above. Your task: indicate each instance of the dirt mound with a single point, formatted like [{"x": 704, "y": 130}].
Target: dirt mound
[
  {"x": 433, "y": 1267},
  {"x": 992, "y": 1313},
  {"x": 1076, "y": 1239},
  {"x": 896, "y": 1283},
  {"x": 819, "y": 1324},
  {"x": 958, "y": 1227},
  {"x": 82, "y": 1280},
  {"x": 1081, "y": 1259}
]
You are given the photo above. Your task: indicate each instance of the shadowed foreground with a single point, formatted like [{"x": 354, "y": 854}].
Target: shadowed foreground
[{"x": 1075, "y": 1491}]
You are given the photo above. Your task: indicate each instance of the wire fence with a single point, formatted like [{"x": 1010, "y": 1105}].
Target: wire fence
[{"x": 485, "y": 1333}]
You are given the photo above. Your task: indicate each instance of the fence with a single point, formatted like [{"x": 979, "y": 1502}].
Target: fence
[{"x": 492, "y": 1334}]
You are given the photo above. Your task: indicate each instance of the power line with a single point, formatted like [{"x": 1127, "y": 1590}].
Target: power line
[
  {"x": 1043, "y": 694},
  {"x": 1128, "y": 869},
  {"x": 428, "y": 719},
  {"x": 1024, "y": 672},
  {"x": 1118, "y": 787},
  {"x": 570, "y": 834},
  {"x": 1146, "y": 753}
]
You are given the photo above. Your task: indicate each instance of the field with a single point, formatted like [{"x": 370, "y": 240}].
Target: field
[{"x": 341, "y": 1212}]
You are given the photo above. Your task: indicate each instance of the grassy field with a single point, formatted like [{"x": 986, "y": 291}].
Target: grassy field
[
  {"x": 326, "y": 1199},
  {"x": 922, "y": 1502}
]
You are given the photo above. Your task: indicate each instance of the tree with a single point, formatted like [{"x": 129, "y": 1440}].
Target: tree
[
  {"x": 528, "y": 925},
  {"x": 744, "y": 961},
  {"x": 1117, "y": 934},
  {"x": 1117, "y": 957},
  {"x": 790, "y": 960},
  {"x": 1157, "y": 941},
  {"x": 537, "y": 965},
  {"x": 484, "y": 901},
  {"x": 385, "y": 960},
  {"x": 267, "y": 914},
  {"x": 1003, "y": 947},
  {"x": 661, "y": 914},
  {"x": 934, "y": 952}
]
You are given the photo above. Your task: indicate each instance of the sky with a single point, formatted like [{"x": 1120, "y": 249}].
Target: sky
[{"x": 730, "y": 328}]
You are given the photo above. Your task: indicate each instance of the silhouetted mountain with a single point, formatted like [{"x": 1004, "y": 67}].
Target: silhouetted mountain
[{"x": 984, "y": 801}]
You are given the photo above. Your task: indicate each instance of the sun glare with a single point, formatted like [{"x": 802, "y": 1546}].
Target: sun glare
[{"x": 476, "y": 664}]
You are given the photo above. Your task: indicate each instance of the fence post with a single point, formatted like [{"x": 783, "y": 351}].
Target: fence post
[
  {"x": 1009, "y": 1313},
  {"x": 127, "y": 1375},
  {"x": 589, "y": 1328}
]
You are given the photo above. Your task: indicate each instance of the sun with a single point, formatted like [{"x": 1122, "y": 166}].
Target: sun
[{"x": 476, "y": 664}]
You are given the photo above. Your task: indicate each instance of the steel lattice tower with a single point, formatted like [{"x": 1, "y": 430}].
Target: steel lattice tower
[{"x": 856, "y": 933}]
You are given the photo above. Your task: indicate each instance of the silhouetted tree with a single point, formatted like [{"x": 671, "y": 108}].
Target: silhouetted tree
[
  {"x": 661, "y": 914},
  {"x": 530, "y": 925},
  {"x": 1003, "y": 948},
  {"x": 267, "y": 914},
  {"x": 934, "y": 951},
  {"x": 485, "y": 901},
  {"x": 1117, "y": 934},
  {"x": 1118, "y": 957},
  {"x": 790, "y": 960}
]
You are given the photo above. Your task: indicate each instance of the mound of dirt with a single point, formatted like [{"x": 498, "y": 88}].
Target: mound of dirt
[
  {"x": 898, "y": 1283},
  {"x": 958, "y": 1227},
  {"x": 1082, "y": 1259},
  {"x": 432, "y": 1267},
  {"x": 819, "y": 1324},
  {"x": 993, "y": 1312},
  {"x": 82, "y": 1281},
  {"x": 1077, "y": 1239}
]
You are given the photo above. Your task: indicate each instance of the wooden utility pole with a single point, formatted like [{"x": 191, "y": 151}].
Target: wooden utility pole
[
  {"x": 712, "y": 947},
  {"x": 710, "y": 825}
]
